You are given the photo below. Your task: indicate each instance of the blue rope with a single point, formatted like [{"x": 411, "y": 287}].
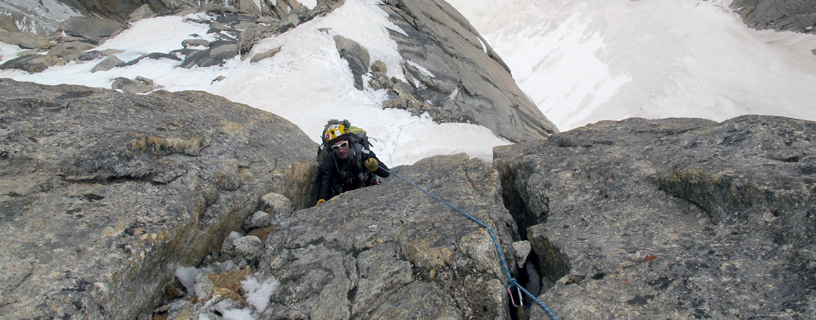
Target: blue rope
[{"x": 512, "y": 281}]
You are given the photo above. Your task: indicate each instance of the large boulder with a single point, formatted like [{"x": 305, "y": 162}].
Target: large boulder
[
  {"x": 32, "y": 63},
  {"x": 674, "y": 218},
  {"x": 456, "y": 72},
  {"x": 93, "y": 30},
  {"x": 104, "y": 194},
  {"x": 356, "y": 56},
  {"x": 392, "y": 252},
  {"x": 25, "y": 40}
]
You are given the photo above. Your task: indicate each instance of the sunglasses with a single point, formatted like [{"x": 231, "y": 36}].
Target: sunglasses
[{"x": 342, "y": 145}]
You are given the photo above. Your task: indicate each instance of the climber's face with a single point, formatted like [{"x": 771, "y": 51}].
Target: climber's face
[{"x": 341, "y": 149}]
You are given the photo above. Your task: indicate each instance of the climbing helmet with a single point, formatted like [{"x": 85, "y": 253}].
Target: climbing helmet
[{"x": 335, "y": 131}]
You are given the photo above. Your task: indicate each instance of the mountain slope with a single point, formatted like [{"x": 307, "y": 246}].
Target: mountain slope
[
  {"x": 439, "y": 89},
  {"x": 584, "y": 61}
]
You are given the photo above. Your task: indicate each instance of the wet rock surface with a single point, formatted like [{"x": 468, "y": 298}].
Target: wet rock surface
[{"x": 671, "y": 218}]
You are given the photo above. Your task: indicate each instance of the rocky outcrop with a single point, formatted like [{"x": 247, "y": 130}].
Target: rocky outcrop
[
  {"x": 32, "y": 63},
  {"x": 120, "y": 10},
  {"x": 363, "y": 254},
  {"x": 25, "y": 40},
  {"x": 457, "y": 75},
  {"x": 671, "y": 218},
  {"x": 790, "y": 15},
  {"x": 236, "y": 32},
  {"x": 76, "y": 35},
  {"x": 356, "y": 56},
  {"x": 138, "y": 85},
  {"x": 391, "y": 251},
  {"x": 105, "y": 194},
  {"x": 93, "y": 30}
]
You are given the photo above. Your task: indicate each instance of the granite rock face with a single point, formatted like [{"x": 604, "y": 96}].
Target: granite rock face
[
  {"x": 105, "y": 194},
  {"x": 392, "y": 252},
  {"x": 674, "y": 218}
]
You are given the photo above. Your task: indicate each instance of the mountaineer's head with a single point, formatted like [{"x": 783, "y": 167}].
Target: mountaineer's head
[{"x": 337, "y": 137}]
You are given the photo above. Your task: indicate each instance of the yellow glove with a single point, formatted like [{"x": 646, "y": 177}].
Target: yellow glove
[
  {"x": 320, "y": 201},
  {"x": 371, "y": 164}
]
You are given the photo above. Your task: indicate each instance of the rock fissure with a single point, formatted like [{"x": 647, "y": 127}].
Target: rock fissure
[
  {"x": 109, "y": 180},
  {"x": 473, "y": 182}
]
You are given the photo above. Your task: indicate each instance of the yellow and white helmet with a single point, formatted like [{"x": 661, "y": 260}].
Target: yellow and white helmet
[{"x": 335, "y": 131}]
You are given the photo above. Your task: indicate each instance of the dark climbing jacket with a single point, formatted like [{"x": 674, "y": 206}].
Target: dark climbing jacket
[{"x": 338, "y": 175}]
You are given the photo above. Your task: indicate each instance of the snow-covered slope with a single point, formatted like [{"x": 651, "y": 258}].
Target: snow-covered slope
[{"x": 582, "y": 61}]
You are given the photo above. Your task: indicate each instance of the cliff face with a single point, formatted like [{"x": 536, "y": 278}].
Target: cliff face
[{"x": 671, "y": 218}]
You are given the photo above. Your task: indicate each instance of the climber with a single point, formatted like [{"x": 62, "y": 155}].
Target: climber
[{"x": 350, "y": 164}]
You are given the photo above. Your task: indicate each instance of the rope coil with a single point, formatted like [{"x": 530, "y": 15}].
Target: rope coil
[{"x": 511, "y": 281}]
